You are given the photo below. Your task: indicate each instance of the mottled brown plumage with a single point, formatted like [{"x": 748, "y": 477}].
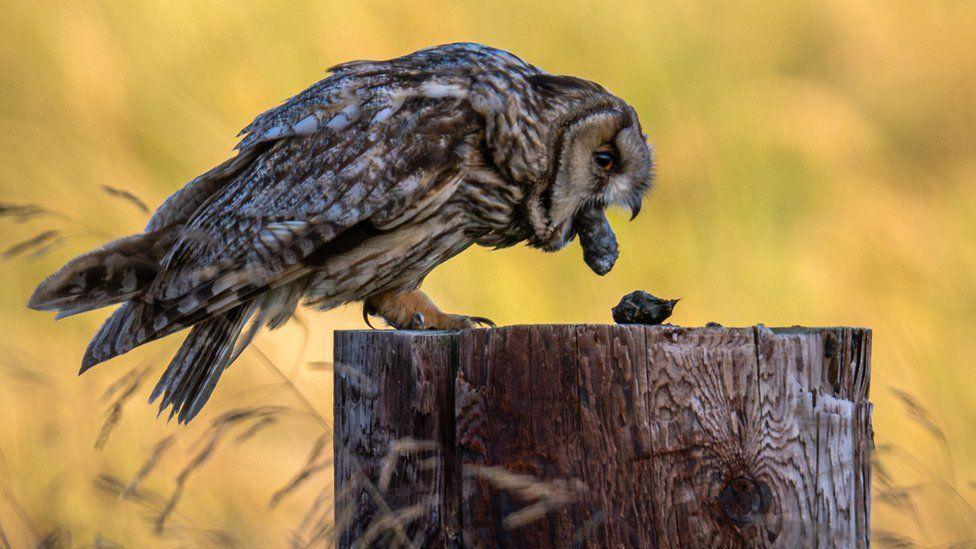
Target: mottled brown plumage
[{"x": 354, "y": 190}]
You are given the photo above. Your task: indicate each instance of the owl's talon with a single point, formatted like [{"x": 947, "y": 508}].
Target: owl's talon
[
  {"x": 366, "y": 314},
  {"x": 465, "y": 322},
  {"x": 482, "y": 321},
  {"x": 414, "y": 311}
]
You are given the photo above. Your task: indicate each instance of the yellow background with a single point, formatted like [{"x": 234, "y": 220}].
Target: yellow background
[{"x": 816, "y": 165}]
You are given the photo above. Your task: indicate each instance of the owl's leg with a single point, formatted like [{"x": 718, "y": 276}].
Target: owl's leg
[{"x": 415, "y": 311}]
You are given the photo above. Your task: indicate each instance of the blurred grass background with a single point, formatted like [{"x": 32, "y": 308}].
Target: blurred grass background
[{"x": 816, "y": 165}]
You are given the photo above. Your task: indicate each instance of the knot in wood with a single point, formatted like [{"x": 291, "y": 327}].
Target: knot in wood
[{"x": 742, "y": 499}]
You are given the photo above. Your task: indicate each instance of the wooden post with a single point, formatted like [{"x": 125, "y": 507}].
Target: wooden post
[{"x": 604, "y": 436}]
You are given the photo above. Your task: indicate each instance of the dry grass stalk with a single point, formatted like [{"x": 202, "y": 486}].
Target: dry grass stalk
[
  {"x": 19, "y": 372},
  {"x": 384, "y": 507},
  {"x": 21, "y": 212},
  {"x": 214, "y": 538},
  {"x": 155, "y": 502},
  {"x": 919, "y": 414},
  {"x": 150, "y": 464},
  {"x": 890, "y": 539},
  {"x": 316, "y": 527},
  {"x": 217, "y": 430},
  {"x": 387, "y": 520},
  {"x": 323, "y": 534},
  {"x": 123, "y": 389},
  {"x": 46, "y": 248},
  {"x": 44, "y": 242},
  {"x": 311, "y": 467},
  {"x": 356, "y": 379},
  {"x": 546, "y": 496},
  {"x": 908, "y": 500},
  {"x": 900, "y": 499},
  {"x": 935, "y": 480},
  {"x": 29, "y": 244},
  {"x": 319, "y": 518},
  {"x": 22, "y": 514},
  {"x": 395, "y": 521},
  {"x": 149, "y": 499},
  {"x": 313, "y": 516},
  {"x": 254, "y": 429},
  {"x": 4, "y": 542},
  {"x": 126, "y": 196},
  {"x": 56, "y": 539},
  {"x": 123, "y": 383},
  {"x": 879, "y": 472},
  {"x": 403, "y": 447}
]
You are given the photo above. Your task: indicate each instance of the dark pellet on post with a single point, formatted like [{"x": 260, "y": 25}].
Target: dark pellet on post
[{"x": 640, "y": 307}]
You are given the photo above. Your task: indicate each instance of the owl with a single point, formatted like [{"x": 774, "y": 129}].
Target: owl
[{"x": 353, "y": 191}]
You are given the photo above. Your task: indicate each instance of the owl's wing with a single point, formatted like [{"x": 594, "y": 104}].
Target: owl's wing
[
  {"x": 304, "y": 192},
  {"x": 182, "y": 204}
]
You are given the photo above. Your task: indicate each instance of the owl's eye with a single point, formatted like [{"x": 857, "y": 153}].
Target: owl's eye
[{"x": 606, "y": 160}]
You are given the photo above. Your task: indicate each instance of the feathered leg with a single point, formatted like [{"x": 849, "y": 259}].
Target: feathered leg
[{"x": 415, "y": 311}]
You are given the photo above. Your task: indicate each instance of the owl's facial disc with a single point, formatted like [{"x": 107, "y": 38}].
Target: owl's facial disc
[{"x": 600, "y": 158}]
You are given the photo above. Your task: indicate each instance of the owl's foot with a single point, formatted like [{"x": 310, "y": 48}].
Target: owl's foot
[
  {"x": 415, "y": 311},
  {"x": 446, "y": 321}
]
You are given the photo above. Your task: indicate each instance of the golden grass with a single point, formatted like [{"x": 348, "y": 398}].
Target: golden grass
[{"x": 816, "y": 165}]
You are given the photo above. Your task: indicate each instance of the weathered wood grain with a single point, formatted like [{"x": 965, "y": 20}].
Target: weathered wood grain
[
  {"x": 609, "y": 436},
  {"x": 395, "y": 467},
  {"x": 514, "y": 417}
]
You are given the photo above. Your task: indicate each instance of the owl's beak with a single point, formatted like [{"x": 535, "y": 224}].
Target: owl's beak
[{"x": 599, "y": 244}]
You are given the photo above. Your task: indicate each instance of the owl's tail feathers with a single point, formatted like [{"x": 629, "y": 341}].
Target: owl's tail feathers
[
  {"x": 118, "y": 271},
  {"x": 117, "y": 335},
  {"x": 193, "y": 373}
]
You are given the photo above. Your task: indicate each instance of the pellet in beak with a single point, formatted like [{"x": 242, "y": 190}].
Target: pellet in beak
[{"x": 599, "y": 244}]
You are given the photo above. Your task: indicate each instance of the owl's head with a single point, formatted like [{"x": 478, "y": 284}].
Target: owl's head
[{"x": 597, "y": 157}]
